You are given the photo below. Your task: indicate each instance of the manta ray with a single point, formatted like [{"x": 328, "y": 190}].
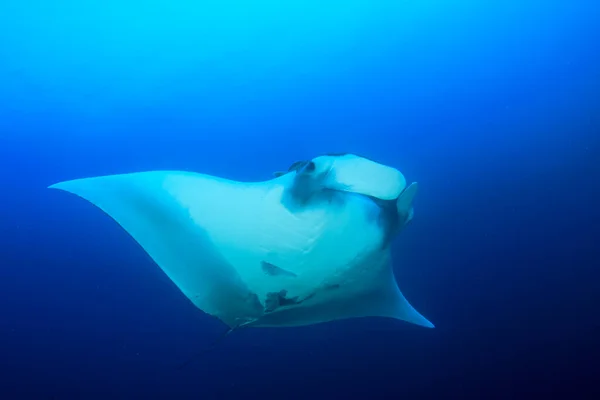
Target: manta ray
[{"x": 308, "y": 246}]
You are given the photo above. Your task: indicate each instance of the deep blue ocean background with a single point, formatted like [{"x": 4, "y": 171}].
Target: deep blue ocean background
[{"x": 493, "y": 107}]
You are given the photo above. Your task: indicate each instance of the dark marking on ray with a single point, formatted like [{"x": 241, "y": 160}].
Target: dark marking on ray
[
  {"x": 274, "y": 270},
  {"x": 275, "y": 300},
  {"x": 297, "y": 165}
]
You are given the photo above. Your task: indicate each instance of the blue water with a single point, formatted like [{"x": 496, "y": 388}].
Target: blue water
[{"x": 493, "y": 107}]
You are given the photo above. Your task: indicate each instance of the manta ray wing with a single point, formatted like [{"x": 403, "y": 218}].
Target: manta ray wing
[{"x": 148, "y": 206}]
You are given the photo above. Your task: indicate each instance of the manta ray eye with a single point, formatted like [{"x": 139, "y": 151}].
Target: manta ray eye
[{"x": 310, "y": 166}]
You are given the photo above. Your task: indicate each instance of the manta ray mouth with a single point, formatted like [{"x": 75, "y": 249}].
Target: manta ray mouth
[{"x": 309, "y": 167}]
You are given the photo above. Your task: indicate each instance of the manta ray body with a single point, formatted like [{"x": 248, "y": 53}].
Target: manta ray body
[{"x": 309, "y": 246}]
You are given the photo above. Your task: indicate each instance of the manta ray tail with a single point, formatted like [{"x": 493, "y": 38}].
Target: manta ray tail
[
  {"x": 218, "y": 340},
  {"x": 196, "y": 356}
]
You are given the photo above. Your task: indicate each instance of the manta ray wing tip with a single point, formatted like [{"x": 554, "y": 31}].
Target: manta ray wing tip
[
  {"x": 428, "y": 324},
  {"x": 60, "y": 185},
  {"x": 420, "y": 320}
]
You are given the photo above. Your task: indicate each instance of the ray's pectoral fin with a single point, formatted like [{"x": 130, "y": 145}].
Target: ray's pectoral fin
[
  {"x": 150, "y": 207},
  {"x": 387, "y": 300}
]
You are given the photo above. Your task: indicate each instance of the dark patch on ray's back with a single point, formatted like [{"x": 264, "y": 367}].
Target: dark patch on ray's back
[
  {"x": 303, "y": 193},
  {"x": 274, "y": 270}
]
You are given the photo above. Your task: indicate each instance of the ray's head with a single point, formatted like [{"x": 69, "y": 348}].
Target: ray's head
[
  {"x": 330, "y": 176},
  {"x": 310, "y": 177}
]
